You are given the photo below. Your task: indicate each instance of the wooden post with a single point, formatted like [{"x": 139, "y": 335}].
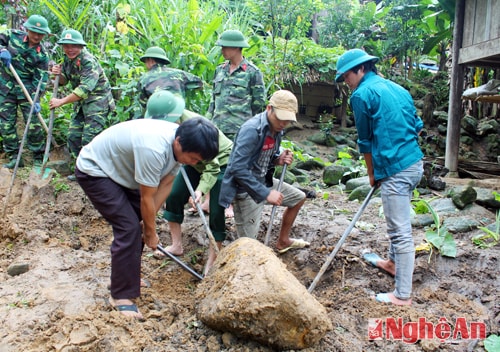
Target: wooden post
[{"x": 456, "y": 90}]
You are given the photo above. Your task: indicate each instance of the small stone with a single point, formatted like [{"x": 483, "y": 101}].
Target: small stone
[{"x": 18, "y": 269}]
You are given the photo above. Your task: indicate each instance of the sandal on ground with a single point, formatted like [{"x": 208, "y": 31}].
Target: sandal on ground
[
  {"x": 123, "y": 308},
  {"x": 297, "y": 243},
  {"x": 390, "y": 298},
  {"x": 372, "y": 259}
]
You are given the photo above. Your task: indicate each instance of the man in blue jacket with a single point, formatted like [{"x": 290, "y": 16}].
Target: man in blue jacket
[
  {"x": 388, "y": 128},
  {"x": 248, "y": 181}
]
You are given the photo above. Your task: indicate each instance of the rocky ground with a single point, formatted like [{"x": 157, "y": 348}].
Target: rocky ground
[{"x": 59, "y": 303}]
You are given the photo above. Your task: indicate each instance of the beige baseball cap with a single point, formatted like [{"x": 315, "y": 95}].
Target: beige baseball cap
[{"x": 285, "y": 105}]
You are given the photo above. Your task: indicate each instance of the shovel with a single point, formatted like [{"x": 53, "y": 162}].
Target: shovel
[
  {"x": 21, "y": 146},
  {"x": 49, "y": 133},
  {"x": 200, "y": 211},
  {"x": 342, "y": 239},
  {"x": 273, "y": 212}
]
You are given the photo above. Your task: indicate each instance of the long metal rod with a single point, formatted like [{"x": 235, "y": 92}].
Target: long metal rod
[
  {"x": 273, "y": 212},
  {"x": 51, "y": 127},
  {"x": 341, "y": 241},
  {"x": 200, "y": 211},
  {"x": 27, "y": 95},
  {"x": 180, "y": 262},
  {"x": 21, "y": 146}
]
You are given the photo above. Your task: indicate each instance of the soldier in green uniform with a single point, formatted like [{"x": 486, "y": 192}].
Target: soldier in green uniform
[
  {"x": 238, "y": 90},
  {"x": 29, "y": 59},
  {"x": 159, "y": 76},
  {"x": 238, "y": 86},
  {"x": 91, "y": 95}
]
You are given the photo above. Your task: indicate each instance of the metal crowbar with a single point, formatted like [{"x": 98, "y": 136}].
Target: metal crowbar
[
  {"x": 200, "y": 211},
  {"x": 180, "y": 262},
  {"x": 273, "y": 212},
  {"x": 342, "y": 239}
]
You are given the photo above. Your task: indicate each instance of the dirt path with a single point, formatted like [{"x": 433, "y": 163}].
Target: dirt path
[{"x": 59, "y": 304}]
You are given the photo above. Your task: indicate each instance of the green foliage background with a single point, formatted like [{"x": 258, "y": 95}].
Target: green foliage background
[{"x": 283, "y": 42}]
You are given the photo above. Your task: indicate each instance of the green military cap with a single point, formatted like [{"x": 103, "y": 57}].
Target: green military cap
[
  {"x": 163, "y": 105},
  {"x": 156, "y": 53},
  {"x": 38, "y": 24},
  {"x": 233, "y": 39},
  {"x": 350, "y": 59},
  {"x": 71, "y": 36}
]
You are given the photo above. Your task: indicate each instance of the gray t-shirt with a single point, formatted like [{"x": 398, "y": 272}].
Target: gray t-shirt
[{"x": 132, "y": 153}]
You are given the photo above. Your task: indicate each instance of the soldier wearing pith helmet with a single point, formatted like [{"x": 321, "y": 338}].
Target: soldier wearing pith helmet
[
  {"x": 238, "y": 86},
  {"x": 23, "y": 52},
  {"x": 161, "y": 77},
  {"x": 91, "y": 92}
]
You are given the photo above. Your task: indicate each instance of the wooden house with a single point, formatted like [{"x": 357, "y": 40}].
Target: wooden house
[{"x": 476, "y": 43}]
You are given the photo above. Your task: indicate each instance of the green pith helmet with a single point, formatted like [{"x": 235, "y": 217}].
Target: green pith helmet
[
  {"x": 351, "y": 59},
  {"x": 233, "y": 39},
  {"x": 38, "y": 24},
  {"x": 71, "y": 36},
  {"x": 163, "y": 105},
  {"x": 156, "y": 53}
]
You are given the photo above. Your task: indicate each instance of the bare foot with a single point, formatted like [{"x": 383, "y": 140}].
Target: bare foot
[
  {"x": 387, "y": 265},
  {"x": 175, "y": 250},
  {"x": 126, "y": 307}
]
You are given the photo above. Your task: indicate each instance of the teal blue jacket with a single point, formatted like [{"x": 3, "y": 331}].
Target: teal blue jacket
[{"x": 387, "y": 125}]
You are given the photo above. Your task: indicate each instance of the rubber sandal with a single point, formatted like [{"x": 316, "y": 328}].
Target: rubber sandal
[
  {"x": 386, "y": 298},
  {"x": 297, "y": 243},
  {"x": 125, "y": 308}
]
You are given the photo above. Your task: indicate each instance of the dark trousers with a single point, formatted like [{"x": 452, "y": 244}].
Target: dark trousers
[
  {"x": 179, "y": 196},
  {"x": 121, "y": 207}
]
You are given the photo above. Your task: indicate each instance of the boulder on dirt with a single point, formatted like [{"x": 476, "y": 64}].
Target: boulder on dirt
[{"x": 249, "y": 292}]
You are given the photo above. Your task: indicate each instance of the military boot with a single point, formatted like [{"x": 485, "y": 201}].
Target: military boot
[{"x": 12, "y": 163}]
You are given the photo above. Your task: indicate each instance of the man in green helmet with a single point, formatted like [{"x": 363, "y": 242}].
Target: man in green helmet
[
  {"x": 205, "y": 176},
  {"x": 22, "y": 50},
  {"x": 159, "y": 76},
  {"x": 238, "y": 89},
  {"x": 91, "y": 92}
]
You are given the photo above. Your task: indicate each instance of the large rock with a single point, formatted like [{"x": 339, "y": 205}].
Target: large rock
[{"x": 249, "y": 292}]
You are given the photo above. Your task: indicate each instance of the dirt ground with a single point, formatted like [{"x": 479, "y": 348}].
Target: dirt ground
[{"x": 59, "y": 303}]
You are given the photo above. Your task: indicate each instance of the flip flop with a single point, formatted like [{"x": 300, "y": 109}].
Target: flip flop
[
  {"x": 296, "y": 244},
  {"x": 372, "y": 259},
  {"x": 385, "y": 298},
  {"x": 125, "y": 308}
]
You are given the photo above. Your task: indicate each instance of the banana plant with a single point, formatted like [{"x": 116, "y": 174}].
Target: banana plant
[{"x": 72, "y": 13}]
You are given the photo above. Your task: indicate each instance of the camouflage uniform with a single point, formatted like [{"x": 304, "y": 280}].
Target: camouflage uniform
[
  {"x": 236, "y": 96},
  {"x": 31, "y": 64},
  {"x": 90, "y": 83},
  {"x": 162, "y": 77}
]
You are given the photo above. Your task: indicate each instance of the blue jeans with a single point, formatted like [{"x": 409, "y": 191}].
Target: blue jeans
[{"x": 396, "y": 192}]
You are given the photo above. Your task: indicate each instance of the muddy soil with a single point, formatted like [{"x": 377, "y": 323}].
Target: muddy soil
[{"x": 59, "y": 304}]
